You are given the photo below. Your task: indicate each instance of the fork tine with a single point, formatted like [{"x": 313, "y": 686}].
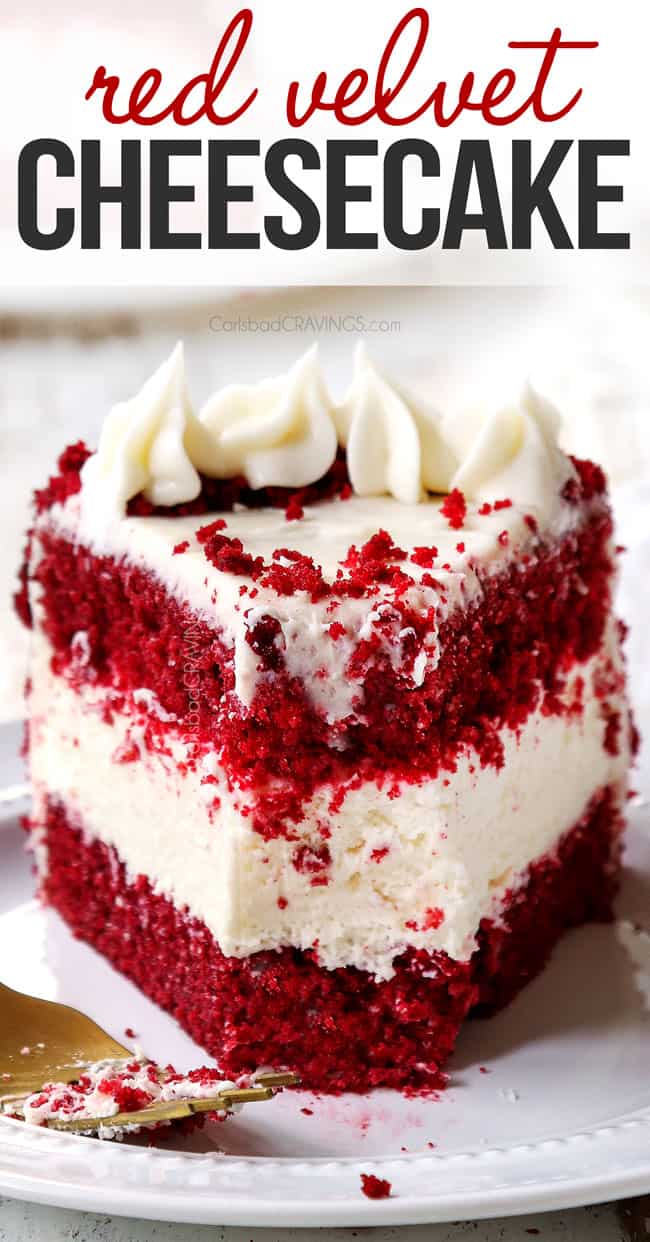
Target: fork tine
[
  {"x": 46, "y": 1042},
  {"x": 171, "y": 1110},
  {"x": 243, "y": 1095},
  {"x": 279, "y": 1078},
  {"x": 168, "y": 1110}
]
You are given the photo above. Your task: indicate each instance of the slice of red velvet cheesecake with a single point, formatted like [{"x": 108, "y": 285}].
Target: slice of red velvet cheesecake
[{"x": 327, "y": 720}]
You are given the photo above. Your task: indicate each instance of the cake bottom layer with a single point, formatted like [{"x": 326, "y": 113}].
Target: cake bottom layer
[{"x": 339, "y": 1029}]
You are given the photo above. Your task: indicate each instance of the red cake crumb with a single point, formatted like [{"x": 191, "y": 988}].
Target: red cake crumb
[
  {"x": 356, "y": 1032},
  {"x": 432, "y": 919},
  {"x": 309, "y": 1112},
  {"x": 485, "y": 509},
  {"x": 380, "y": 854},
  {"x": 68, "y": 481},
  {"x": 282, "y": 903},
  {"x": 613, "y": 725},
  {"x": 504, "y": 538},
  {"x": 292, "y": 571},
  {"x": 130, "y": 1033},
  {"x": 228, "y": 555},
  {"x": 460, "y": 547},
  {"x": 179, "y": 548},
  {"x": 424, "y": 556},
  {"x": 21, "y": 596},
  {"x": 128, "y": 752},
  {"x": 592, "y": 478},
  {"x": 454, "y": 508},
  {"x": 336, "y": 630},
  {"x": 310, "y": 860},
  {"x": 375, "y": 1187},
  {"x": 205, "y": 533},
  {"x": 502, "y": 504},
  {"x": 128, "y": 1099},
  {"x": 379, "y": 548},
  {"x": 294, "y": 510}
]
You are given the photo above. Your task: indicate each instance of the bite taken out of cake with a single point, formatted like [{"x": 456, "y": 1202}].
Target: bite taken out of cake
[{"x": 328, "y": 731}]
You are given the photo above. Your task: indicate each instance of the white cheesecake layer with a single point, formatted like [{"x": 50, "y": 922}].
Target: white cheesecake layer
[{"x": 421, "y": 868}]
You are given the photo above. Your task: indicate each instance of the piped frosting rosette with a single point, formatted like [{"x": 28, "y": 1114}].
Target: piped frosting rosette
[{"x": 285, "y": 432}]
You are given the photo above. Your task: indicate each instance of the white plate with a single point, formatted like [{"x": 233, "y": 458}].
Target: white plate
[{"x": 561, "y": 1119}]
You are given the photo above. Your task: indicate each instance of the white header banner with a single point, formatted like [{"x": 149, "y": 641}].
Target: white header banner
[{"x": 324, "y": 143}]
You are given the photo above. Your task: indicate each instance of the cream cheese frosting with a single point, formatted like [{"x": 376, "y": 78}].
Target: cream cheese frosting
[
  {"x": 284, "y": 432},
  {"x": 394, "y": 444},
  {"x": 513, "y": 452},
  {"x": 278, "y": 433},
  {"x": 146, "y": 445}
]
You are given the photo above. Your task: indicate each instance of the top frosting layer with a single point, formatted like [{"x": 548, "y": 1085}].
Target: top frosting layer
[{"x": 284, "y": 432}]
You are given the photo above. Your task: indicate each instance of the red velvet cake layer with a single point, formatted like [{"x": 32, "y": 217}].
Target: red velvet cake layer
[
  {"x": 339, "y": 1029},
  {"x": 499, "y": 659}
]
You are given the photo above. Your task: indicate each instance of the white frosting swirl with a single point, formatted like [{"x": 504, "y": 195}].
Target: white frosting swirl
[
  {"x": 511, "y": 453},
  {"x": 394, "y": 443},
  {"x": 283, "y": 432},
  {"x": 278, "y": 433},
  {"x": 147, "y": 445}
]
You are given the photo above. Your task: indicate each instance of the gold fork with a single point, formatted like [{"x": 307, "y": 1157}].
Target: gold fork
[{"x": 43, "y": 1041}]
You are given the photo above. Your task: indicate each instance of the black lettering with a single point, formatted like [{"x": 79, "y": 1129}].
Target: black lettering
[
  {"x": 28, "y": 194},
  {"x": 128, "y": 194},
  {"x": 292, "y": 194},
  {"x": 475, "y": 156},
  {"x": 531, "y": 194},
  {"x": 339, "y": 194},
  {"x": 591, "y": 193},
  {"x": 222, "y": 193},
  {"x": 394, "y": 194},
  {"x": 161, "y": 194}
]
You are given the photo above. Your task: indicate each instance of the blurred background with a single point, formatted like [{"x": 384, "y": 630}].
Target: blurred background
[{"x": 67, "y": 355}]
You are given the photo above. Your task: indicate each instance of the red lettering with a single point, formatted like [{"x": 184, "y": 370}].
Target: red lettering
[
  {"x": 143, "y": 92},
  {"x": 551, "y": 48},
  {"x": 497, "y": 89},
  {"x": 316, "y": 102},
  {"x": 357, "y": 80},
  {"x": 348, "y": 91},
  {"x": 214, "y": 82},
  {"x": 109, "y": 85},
  {"x": 408, "y": 38},
  {"x": 464, "y": 101},
  {"x": 351, "y": 88},
  {"x": 384, "y": 95}
]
